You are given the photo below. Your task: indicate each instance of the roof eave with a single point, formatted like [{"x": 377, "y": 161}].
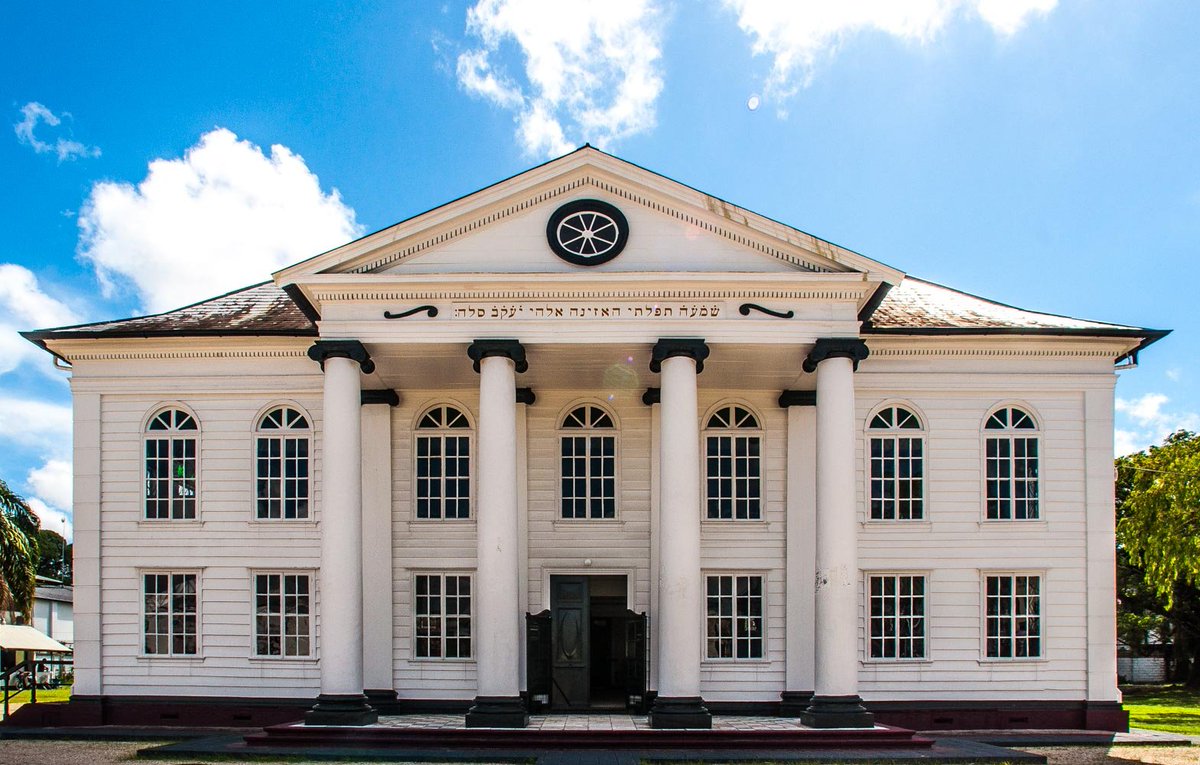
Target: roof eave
[{"x": 1148, "y": 336}]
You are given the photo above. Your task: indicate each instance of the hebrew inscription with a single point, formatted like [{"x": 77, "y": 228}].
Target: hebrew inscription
[{"x": 591, "y": 311}]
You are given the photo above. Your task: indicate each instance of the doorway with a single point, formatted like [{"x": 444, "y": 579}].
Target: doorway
[{"x": 588, "y": 651}]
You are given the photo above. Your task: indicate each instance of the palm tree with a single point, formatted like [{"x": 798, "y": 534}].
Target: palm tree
[{"x": 18, "y": 552}]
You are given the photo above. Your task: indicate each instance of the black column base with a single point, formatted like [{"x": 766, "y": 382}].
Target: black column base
[
  {"x": 793, "y": 703},
  {"x": 383, "y": 699},
  {"x": 497, "y": 712},
  {"x": 680, "y": 712},
  {"x": 341, "y": 709},
  {"x": 837, "y": 712}
]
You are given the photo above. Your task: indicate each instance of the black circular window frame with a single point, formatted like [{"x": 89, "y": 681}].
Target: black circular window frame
[{"x": 587, "y": 205}]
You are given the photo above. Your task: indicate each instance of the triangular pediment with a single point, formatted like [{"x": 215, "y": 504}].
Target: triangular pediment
[{"x": 672, "y": 227}]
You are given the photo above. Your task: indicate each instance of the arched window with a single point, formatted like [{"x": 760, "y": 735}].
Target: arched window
[
  {"x": 897, "y": 464},
  {"x": 1011, "y": 469},
  {"x": 443, "y": 467},
  {"x": 589, "y": 463},
  {"x": 170, "y": 450},
  {"x": 282, "y": 482},
  {"x": 732, "y": 464}
]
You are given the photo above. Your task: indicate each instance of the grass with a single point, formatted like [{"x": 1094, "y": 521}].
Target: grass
[
  {"x": 54, "y": 694},
  {"x": 1170, "y": 708}
]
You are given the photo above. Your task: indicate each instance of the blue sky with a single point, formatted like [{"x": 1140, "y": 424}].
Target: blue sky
[{"x": 1045, "y": 153}]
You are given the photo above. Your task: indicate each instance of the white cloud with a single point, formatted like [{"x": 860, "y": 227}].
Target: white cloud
[
  {"x": 591, "y": 69},
  {"x": 24, "y": 305},
  {"x": 39, "y": 424},
  {"x": 797, "y": 35},
  {"x": 33, "y": 113},
  {"x": 52, "y": 518},
  {"x": 52, "y": 483},
  {"x": 223, "y": 216},
  {"x": 1144, "y": 422}
]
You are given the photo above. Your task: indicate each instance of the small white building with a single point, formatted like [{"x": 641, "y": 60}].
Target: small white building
[{"x": 590, "y": 438}]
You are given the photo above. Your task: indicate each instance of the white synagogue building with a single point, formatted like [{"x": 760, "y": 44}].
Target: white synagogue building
[{"x": 589, "y": 438}]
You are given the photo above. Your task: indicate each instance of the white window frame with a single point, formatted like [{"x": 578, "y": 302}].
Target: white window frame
[
  {"x": 985, "y": 619},
  {"x": 895, "y": 434},
  {"x": 1010, "y": 435},
  {"x": 283, "y": 435},
  {"x": 171, "y": 436},
  {"x": 896, "y": 639},
  {"x": 309, "y": 635},
  {"x": 734, "y": 432},
  {"x": 764, "y": 583},
  {"x": 441, "y": 616},
  {"x": 588, "y": 432},
  {"x": 441, "y": 433},
  {"x": 170, "y": 615}
]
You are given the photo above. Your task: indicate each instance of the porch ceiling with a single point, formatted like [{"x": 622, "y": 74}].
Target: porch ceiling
[{"x": 607, "y": 368}]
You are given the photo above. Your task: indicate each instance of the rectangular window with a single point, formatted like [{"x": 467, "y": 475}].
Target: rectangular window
[
  {"x": 443, "y": 477},
  {"x": 443, "y": 616},
  {"x": 169, "y": 625},
  {"x": 282, "y": 610},
  {"x": 897, "y": 475},
  {"x": 282, "y": 481},
  {"x": 170, "y": 478},
  {"x": 897, "y": 623},
  {"x": 734, "y": 622},
  {"x": 589, "y": 483},
  {"x": 732, "y": 472},
  {"x": 1012, "y": 478},
  {"x": 1013, "y": 616}
]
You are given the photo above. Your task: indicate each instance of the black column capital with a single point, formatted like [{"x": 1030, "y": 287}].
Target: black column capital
[
  {"x": 652, "y": 396},
  {"x": 667, "y": 347},
  {"x": 344, "y": 349},
  {"x": 852, "y": 348},
  {"x": 385, "y": 396},
  {"x": 526, "y": 396},
  {"x": 481, "y": 349},
  {"x": 797, "y": 398}
]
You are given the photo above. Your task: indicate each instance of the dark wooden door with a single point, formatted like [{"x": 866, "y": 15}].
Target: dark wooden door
[
  {"x": 636, "y": 660},
  {"x": 537, "y": 659},
  {"x": 569, "y": 626}
]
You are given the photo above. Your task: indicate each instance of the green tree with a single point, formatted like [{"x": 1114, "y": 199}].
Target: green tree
[
  {"x": 18, "y": 552},
  {"x": 1158, "y": 537},
  {"x": 54, "y": 556}
]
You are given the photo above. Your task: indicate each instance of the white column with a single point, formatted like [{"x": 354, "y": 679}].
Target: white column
[
  {"x": 801, "y": 558},
  {"x": 835, "y": 701},
  {"x": 680, "y": 583},
  {"x": 497, "y": 600},
  {"x": 522, "y": 535},
  {"x": 378, "y": 624},
  {"x": 656, "y": 643},
  {"x": 1103, "y": 697},
  {"x": 342, "y": 701},
  {"x": 88, "y": 607}
]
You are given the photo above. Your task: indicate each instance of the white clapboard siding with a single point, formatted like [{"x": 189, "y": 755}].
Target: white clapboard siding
[
  {"x": 426, "y": 546},
  {"x": 225, "y": 546},
  {"x": 955, "y": 547}
]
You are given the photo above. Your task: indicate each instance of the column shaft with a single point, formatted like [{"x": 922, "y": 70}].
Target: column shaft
[
  {"x": 497, "y": 574},
  {"x": 836, "y": 702},
  {"x": 680, "y": 583},
  {"x": 378, "y": 553},
  {"x": 342, "y": 700}
]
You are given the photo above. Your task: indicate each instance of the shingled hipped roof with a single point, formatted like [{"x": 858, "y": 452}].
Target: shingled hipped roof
[{"x": 915, "y": 307}]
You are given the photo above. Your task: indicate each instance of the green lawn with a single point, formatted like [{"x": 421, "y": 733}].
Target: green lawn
[
  {"x": 54, "y": 694},
  {"x": 1170, "y": 708}
]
